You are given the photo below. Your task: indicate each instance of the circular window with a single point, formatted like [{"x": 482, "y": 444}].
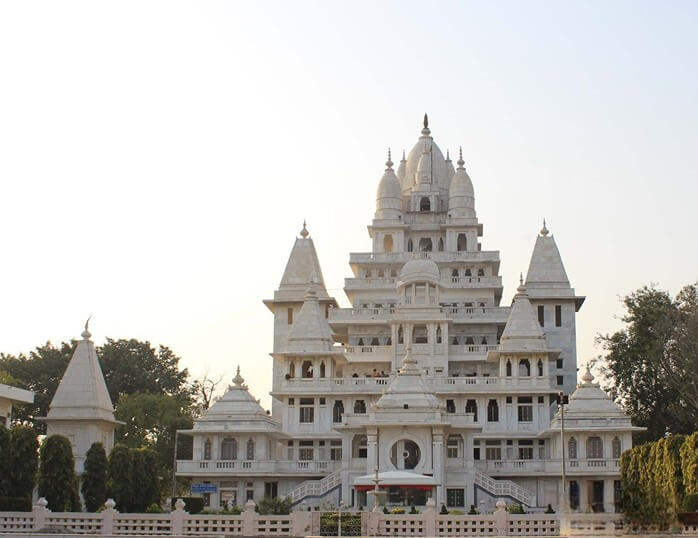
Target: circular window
[{"x": 405, "y": 454}]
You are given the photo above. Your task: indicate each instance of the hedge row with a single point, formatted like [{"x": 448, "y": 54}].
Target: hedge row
[{"x": 656, "y": 477}]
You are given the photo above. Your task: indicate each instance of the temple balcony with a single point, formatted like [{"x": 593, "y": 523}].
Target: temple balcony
[
  {"x": 401, "y": 257},
  {"x": 544, "y": 466},
  {"x": 469, "y": 314},
  {"x": 247, "y": 467}
]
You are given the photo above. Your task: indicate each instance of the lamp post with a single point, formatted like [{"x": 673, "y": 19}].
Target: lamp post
[
  {"x": 376, "y": 493},
  {"x": 339, "y": 518}
]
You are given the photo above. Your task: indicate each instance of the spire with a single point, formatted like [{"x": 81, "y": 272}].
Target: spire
[
  {"x": 460, "y": 161},
  {"x": 238, "y": 379},
  {"x": 302, "y": 263},
  {"x": 522, "y": 331},
  {"x": 544, "y": 230},
  {"x": 521, "y": 283},
  {"x": 588, "y": 377},
  {"x": 546, "y": 264},
  {"x": 304, "y": 232},
  {"x": 86, "y": 333},
  {"x": 448, "y": 155},
  {"x": 425, "y": 130},
  {"x": 310, "y": 331},
  {"x": 389, "y": 162},
  {"x": 403, "y": 157},
  {"x": 82, "y": 393}
]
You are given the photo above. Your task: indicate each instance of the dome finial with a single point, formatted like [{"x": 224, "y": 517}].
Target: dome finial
[
  {"x": 544, "y": 230},
  {"x": 238, "y": 379},
  {"x": 588, "y": 377},
  {"x": 461, "y": 162},
  {"x": 304, "y": 232},
  {"x": 425, "y": 130},
  {"x": 86, "y": 333},
  {"x": 521, "y": 288},
  {"x": 448, "y": 155},
  {"x": 403, "y": 156},
  {"x": 389, "y": 162}
]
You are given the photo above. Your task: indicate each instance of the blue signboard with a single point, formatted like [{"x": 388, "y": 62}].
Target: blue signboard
[{"x": 204, "y": 488}]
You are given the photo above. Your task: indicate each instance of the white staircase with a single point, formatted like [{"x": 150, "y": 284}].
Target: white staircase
[
  {"x": 315, "y": 488},
  {"x": 505, "y": 488}
]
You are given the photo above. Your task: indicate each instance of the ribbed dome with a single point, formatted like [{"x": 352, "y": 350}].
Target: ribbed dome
[
  {"x": 440, "y": 177},
  {"x": 419, "y": 271},
  {"x": 389, "y": 194},
  {"x": 461, "y": 195}
]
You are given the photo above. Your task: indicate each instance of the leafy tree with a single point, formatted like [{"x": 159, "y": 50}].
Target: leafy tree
[
  {"x": 653, "y": 360},
  {"x": 56, "y": 472},
  {"x": 144, "y": 463},
  {"x": 24, "y": 461},
  {"x": 689, "y": 464},
  {"x": 75, "y": 504},
  {"x": 151, "y": 420},
  {"x": 119, "y": 477},
  {"x": 7, "y": 379},
  {"x": 5, "y": 486},
  {"x": 94, "y": 479}
]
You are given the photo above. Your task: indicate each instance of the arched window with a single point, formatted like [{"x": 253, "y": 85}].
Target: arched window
[
  {"x": 360, "y": 342},
  {"x": 400, "y": 335},
  {"x": 229, "y": 449},
  {"x": 374, "y": 341},
  {"x": 250, "y": 449},
  {"x": 468, "y": 272},
  {"x": 492, "y": 411},
  {"x": 616, "y": 447},
  {"x": 508, "y": 374},
  {"x": 540, "y": 368},
  {"x": 469, "y": 341},
  {"x": 594, "y": 448},
  {"x": 292, "y": 369},
  {"x": 322, "y": 369},
  {"x": 454, "y": 273},
  {"x": 480, "y": 272},
  {"x": 454, "y": 342},
  {"x": 441, "y": 244},
  {"x": 483, "y": 342},
  {"x": 359, "y": 407},
  {"x": 207, "y": 449},
  {"x": 337, "y": 411},
  {"x": 389, "y": 341},
  {"x": 307, "y": 369},
  {"x": 388, "y": 243},
  {"x": 572, "y": 448},
  {"x": 471, "y": 407},
  {"x": 393, "y": 273},
  {"x": 359, "y": 447},
  {"x": 425, "y": 204},
  {"x": 524, "y": 368},
  {"x": 438, "y": 335},
  {"x": 381, "y": 273},
  {"x": 425, "y": 244},
  {"x": 461, "y": 243},
  {"x": 410, "y": 247}
]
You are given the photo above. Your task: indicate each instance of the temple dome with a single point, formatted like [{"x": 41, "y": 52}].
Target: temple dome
[
  {"x": 408, "y": 391},
  {"x": 419, "y": 271},
  {"x": 440, "y": 177},
  {"x": 461, "y": 195},
  {"x": 389, "y": 194}
]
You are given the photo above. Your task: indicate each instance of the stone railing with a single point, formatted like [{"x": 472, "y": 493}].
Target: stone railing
[
  {"x": 303, "y": 523},
  {"x": 253, "y": 467},
  {"x": 438, "y": 256}
]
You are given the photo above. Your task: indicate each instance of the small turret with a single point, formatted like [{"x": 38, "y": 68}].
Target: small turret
[
  {"x": 389, "y": 195},
  {"x": 424, "y": 169},
  {"x": 461, "y": 196}
]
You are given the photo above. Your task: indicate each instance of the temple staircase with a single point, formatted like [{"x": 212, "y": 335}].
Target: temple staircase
[
  {"x": 505, "y": 488},
  {"x": 316, "y": 488}
]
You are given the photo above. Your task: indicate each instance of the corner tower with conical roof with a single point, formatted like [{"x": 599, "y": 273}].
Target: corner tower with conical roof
[{"x": 81, "y": 408}]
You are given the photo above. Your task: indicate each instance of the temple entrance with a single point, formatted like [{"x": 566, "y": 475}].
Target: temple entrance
[
  {"x": 596, "y": 496},
  {"x": 405, "y": 454}
]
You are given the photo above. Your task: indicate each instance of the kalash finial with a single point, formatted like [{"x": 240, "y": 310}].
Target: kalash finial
[
  {"x": 403, "y": 156},
  {"x": 448, "y": 155},
  {"x": 425, "y": 130},
  {"x": 86, "y": 333},
  {"x": 588, "y": 377},
  {"x": 304, "y": 232},
  {"x": 544, "y": 231},
  {"x": 461, "y": 162},
  {"x": 238, "y": 379},
  {"x": 521, "y": 288},
  {"x": 389, "y": 162}
]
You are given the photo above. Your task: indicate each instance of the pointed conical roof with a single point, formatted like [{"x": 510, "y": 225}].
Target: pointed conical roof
[
  {"x": 522, "y": 331},
  {"x": 310, "y": 331},
  {"x": 461, "y": 196},
  {"x": 546, "y": 266},
  {"x": 389, "y": 194},
  {"x": 82, "y": 393},
  {"x": 303, "y": 266},
  {"x": 408, "y": 389}
]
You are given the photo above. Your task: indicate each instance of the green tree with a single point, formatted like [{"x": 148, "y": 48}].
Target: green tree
[
  {"x": 653, "y": 361},
  {"x": 56, "y": 472},
  {"x": 689, "y": 464},
  {"x": 151, "y": 420},
  {"x": 144, "y": 462},
  {"x": 24, "y": 461},
  {"x": 5, "y": 485},
  {"x": 94, "y": 479},
  {"x": 119, "y": 477}
]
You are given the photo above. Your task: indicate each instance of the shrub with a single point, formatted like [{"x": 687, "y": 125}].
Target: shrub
[
  {"x": 154, "y": 508},
  {"x": 24, "y": 460},
  {"x": 456, "y": 512},
  {"x": 690, "y": 503},
  {"x": 279, "y": 506},
  {"x": 119, "y": 472},
  {"x": 385, "y": 510},
  {"x": 444, "y": 510},
  {"x": 413, "y": 510},
  {"x": 473, "y": 511},
  {"x": 549, "y": 510},
  {"x": 15, "y": 504},
  {"x": 397, "y": 511},
  {"x": 5, "y": 486},
  {"x": 193, "y": 505},
  {"x": 56, "y": 473},
  {"x": 689, "y": 463},
  {"x": 94, "y": 479},
  {"x": 515, "y": 508},
  {"x": 75, "y": 503}
]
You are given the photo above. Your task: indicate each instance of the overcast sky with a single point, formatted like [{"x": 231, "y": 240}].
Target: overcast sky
[{"x": 157, "y": 159}]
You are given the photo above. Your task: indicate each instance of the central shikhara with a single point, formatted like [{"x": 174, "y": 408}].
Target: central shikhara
[{"x": 426, "y": 383}]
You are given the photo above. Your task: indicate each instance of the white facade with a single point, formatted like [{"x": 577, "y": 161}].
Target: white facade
[
  {"x": 427, "y": 377},
  {"x": 10, "y": 396}
]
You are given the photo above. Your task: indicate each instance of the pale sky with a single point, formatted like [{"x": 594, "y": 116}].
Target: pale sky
[{"x": 157, "y": 159}]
